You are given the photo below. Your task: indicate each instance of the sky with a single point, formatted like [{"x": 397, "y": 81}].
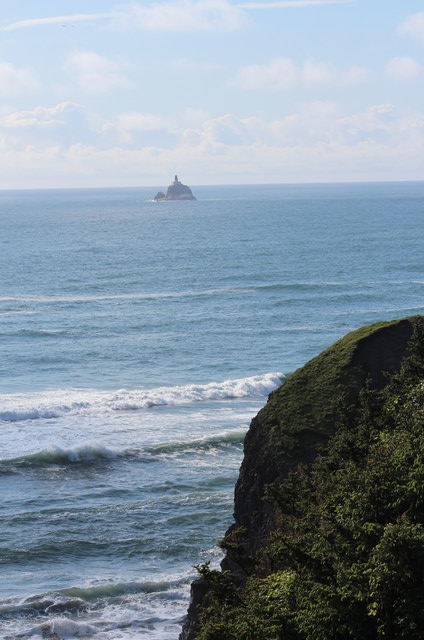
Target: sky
[{"x": 98, "y": 93}]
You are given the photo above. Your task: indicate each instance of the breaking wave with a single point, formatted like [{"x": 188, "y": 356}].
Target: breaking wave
[
  {"x": 54, "y": 404},
  {"x": 218, "y": 441},
  {"x": 77, "y": 598},
  {"x": 57, "y": 455},
  {"x": 111, "y": 610},
  {"x": 91, "y": 454}
]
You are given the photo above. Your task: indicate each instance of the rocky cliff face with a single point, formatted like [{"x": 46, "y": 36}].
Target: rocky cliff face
[{"x": 297, "y": 422}]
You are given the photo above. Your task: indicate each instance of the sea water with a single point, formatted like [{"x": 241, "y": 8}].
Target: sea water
[{"x": 137, "y": 341}]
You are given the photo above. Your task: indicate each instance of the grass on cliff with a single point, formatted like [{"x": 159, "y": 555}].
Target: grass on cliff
[
  {"x": 347, "y": 557},
  {"x": 310, "y": 399}
]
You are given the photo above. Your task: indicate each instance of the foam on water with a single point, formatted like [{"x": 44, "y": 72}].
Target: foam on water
[
  {"x": 56, "y": 403},
  {"x": 190, "y": 293},
  {"x": 109, "y": 611},
  {"x": 79, "y": 598},
  {"x": 63, "y": 628}
]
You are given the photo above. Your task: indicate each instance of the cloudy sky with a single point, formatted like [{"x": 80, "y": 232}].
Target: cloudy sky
[{"x": 104, "y": 93}]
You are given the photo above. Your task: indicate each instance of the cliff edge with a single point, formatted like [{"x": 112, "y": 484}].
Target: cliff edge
[{"x": 305, "y": 426}]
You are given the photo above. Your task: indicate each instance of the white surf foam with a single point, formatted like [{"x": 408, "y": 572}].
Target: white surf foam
[
  {"x": 56, "y": 403},
  {"x": 124, "y": 611},
  {"x": 63, "y": 628}
]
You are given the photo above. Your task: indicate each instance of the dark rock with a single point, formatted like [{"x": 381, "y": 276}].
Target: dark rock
[
  {"x": 198, "y": 596},
  {"x": 160, "y": 196},
  {"x": 176, "y": 191}
]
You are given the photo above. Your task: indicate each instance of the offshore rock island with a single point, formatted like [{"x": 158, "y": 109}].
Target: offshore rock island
[
  {"x": 328, "y": 540},
  {"x": 176, "y": 191}
]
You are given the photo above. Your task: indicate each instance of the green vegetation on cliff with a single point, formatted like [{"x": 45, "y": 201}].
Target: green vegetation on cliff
[
  {"x": 344, "y": 557},
  {"x": 310, "y": 399}
]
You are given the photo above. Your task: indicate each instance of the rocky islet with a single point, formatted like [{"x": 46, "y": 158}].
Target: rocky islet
[{"x": 176, "y": 191}]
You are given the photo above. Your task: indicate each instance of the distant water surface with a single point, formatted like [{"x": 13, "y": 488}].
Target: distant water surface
[{"x": 137, "y": 341}]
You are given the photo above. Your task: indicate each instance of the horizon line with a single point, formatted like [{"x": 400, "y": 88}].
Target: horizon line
[{"x": 238, "y": 184}]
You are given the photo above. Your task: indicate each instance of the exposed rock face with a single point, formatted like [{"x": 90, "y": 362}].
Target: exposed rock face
[
  {"x": 298, "y": 420},
  {"x": 176, "y": 191}
]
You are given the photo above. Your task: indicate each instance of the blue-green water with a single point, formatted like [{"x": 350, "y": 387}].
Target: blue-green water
[{"x": 137, "y": 340}]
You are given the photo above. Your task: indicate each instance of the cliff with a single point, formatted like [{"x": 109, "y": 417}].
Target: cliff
[
  {"x": 175, "y": 191},
  {"x": 310, "y": 430}
]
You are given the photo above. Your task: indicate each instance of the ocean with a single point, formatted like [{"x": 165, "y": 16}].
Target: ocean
[{"x": 137, "y": 341}]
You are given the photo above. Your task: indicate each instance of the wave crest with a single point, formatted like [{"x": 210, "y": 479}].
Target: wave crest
[
  {"x": 54, "y": 404},
  {"x": 219, "y": 441},
  {"x": 58, "y": 455},
  {"x": 92, "y": 454},
  {"x": 76, "y": 599}
]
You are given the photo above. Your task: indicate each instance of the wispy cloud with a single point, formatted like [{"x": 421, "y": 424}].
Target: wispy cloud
[
  {"x": 173, "y": 15},
  {"x": 129, "y": 124},
  {"x": 403, "y": 68},
  {"x": 183, "y": 16},
  {"x": 67, "y": 19},
  {"x": 15, "y": 80},
  {"x": 414, "y": 27},
  {"x": 168, "y": 15},
  {"x": 281, "y": 74},
  {"x": 354, "y": 76},
  {"x": 97, "y": 74}
]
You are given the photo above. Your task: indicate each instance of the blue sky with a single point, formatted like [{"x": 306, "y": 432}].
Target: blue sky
[{"x": 103, "y": 93}]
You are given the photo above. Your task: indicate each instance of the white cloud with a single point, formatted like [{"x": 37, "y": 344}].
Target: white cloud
[
  {"x": 44, "y": 127},
  {"x": 183, "y": 15},
  {"x": 315, "y": 73},
  {"x": 192, "y": 120},
  {"x": 317, "y": 142},
  {"x": 372, "y": 120},
  {"x": 173, "y": 15},
  {"x": 403, "y": 68},
  {"x": 283, "y": 73},
  {"x": 229, "y": 130},
  {"x": 142, "y": 122},
  {"x": 355, "y": 76},
  {"x": 166, "y": 15},
  {"x": 128, "y": 125},
  {"x": 44, "y": 117},
  {"x": 14, "y": 80},
  {"x": 97, "y": 74},
  {"x": 414, "y": 27},
  {"x": 279, "y": 73}
]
